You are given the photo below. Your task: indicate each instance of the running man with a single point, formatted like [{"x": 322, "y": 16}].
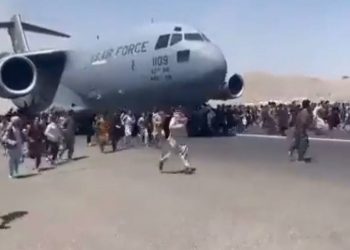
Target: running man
[{"x": 174, "y": 128}]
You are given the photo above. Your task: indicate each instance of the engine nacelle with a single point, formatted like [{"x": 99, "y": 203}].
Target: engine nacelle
[
  {"x": 232, "y": 89},
  {"x": 235, "y": 86},
  {"x": 18, "y": 76}
]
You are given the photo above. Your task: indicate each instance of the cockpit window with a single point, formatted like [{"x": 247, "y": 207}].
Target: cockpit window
[
  {"x": 183, "y": 56},
  {"x": 175, "y": 38},
  {"x": 193, "y": 37},
  {"x": 205, "y": 38},
  {"x": 163, "y": 41}
]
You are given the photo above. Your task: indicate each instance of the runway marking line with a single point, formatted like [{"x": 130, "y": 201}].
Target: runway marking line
[{"x": 283, "y": 137}]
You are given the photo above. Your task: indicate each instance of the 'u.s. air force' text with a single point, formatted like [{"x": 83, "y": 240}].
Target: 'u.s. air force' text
[{"x": 130, "y": 49}]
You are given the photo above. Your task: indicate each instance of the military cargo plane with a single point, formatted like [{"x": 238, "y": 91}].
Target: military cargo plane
[{"x": 162, "y": 64}]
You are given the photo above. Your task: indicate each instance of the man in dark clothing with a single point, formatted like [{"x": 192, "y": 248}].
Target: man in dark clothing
[
  {"x": 230, "y": 120},
  {"x": 194, "y": 124},
  {"x": 149, "y": 127},
  {"x": 282, "y": 119},
  {"x": 117, "y": 131},
  {"x": 220, "y": 116},
  {"x": 300, "y": 137},
  {"x": 333, "y": 118},
  {"x": 90, "y": 129},
  {"x": 204, "y": 128},
  {"x": 69, "y": 133},
  {"x": 294, "y": 110}
]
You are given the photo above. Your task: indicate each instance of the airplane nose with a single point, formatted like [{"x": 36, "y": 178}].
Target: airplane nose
[{"x": 214, "y": 63}]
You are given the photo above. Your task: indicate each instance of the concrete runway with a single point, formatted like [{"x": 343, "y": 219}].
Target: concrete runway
[
  {"x": 326, "y": 134},
  {"x": 245, "y": 195}
]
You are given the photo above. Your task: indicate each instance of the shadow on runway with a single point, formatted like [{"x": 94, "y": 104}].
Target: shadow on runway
[
  {"x": 80, "y": 158},
  {"x": 307, "y": 160},
  {"x": 66, "y": 161},
  {"x": 47, "y": 169},
  {"x": 179, "y": 172},
  {"x": 117, "y": 151},
  {"x": 10, "y": 217},
  {"x": 61, "y": 163},
  {"x": 26, "y": 176}
]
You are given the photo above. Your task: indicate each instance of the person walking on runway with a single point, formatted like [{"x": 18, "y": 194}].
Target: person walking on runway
[
  {"x": 14, "y": 141},
  {"x": 54, "y": 136},
  {"x": 157, "y": 122},
  {"x": 300, "y": 137},
  {"x": 68, "y": 129},
  {"x": 174, "y": 128},
  {"x": 36, "y": 140},
  {"x": 117, "y": 131}
]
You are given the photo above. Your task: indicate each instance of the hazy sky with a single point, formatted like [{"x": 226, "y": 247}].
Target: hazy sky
[{"x": 279, "y": 36}]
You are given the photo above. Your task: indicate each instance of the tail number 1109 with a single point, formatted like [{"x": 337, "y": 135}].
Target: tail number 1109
[{"x": 160, "y": 61}]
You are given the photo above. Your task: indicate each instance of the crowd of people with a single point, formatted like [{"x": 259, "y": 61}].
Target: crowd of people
[
  {"x": 49, "y": 135},
  {"x": 159, "y": 129},
  {"x": 272, "y": 117},
  {"x": 325, "y": 116},
  {"x": 52, "y": 133}
]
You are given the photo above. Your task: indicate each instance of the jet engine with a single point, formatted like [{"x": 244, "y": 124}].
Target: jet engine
[
  {"x": 18, "y": 76},
  {"x": 235, "y": 86},
  {"x": 232, "y": 89}
]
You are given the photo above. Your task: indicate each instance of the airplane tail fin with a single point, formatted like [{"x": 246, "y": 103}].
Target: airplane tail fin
[{"x": 16, "y": 28}]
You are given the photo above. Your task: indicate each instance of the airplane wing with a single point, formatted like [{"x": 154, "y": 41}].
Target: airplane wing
[
  {"x": 46, "y": 55},
  {"x": 41, "y": 52},
  {"x": 42, "y": 84}
]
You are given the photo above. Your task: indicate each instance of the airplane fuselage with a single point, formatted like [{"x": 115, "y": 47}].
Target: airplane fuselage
[
  {"x": 158, "y": 65},
  {"x": 133, "y": 74}
]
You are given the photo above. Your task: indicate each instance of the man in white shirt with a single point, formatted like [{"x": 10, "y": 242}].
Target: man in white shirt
[
  {"x": 14, "y": 140},
  {"x": 320, "y": 125},
  {"x": 128, "y": 122},
  {"x": 143, "y": 133},
  {"x": 174, "y": 131},
  {"x": 157, "y": 121},
  {"x": 54, "y": 136}
]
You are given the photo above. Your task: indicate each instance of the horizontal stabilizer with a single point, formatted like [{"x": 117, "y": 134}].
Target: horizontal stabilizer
[{"x": 5, "y": 25}]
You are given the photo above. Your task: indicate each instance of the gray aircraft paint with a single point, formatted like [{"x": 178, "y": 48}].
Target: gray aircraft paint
[{"x": 138, "y": 77}]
